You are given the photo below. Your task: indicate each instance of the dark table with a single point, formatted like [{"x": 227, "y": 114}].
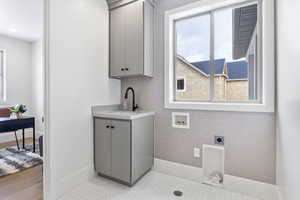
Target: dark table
[{"x": 8, "y": 125}]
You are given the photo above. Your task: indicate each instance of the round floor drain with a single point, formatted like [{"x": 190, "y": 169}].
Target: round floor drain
[{"x": 178, "y": 193}]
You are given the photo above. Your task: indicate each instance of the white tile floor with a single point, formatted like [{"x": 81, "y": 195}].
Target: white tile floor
[{"x": 154, "y": 186}]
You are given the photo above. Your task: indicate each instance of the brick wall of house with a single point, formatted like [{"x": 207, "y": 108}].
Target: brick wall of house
[
  {"x": 197, "y": 85},
  {"x": 220, "y": 88},
  {"x": 237, "y": 90}
]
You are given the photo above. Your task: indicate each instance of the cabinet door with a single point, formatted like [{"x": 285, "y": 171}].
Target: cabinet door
[
  {"x": 148, "y": 38},
  {"x": 134, "y": 41},
  {"x": 102, "y": 147},
  {"x": 121, "y": 159},
  {"x": 117, "y": 41}
]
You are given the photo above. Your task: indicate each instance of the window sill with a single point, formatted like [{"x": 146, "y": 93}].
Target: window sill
[
  {"x": 180, "y": 90},
  {"x": 4, "y": 105},
  {"x": 235, "y": 107}
]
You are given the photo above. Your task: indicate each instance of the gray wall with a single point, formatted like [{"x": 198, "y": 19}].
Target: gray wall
[
  {"x": 18, "y": 76},
  {"x": 288, "y": 97},
  {"x": 18, "y": 71},
  {"x": 24, "y": 78},
  {"x": 249, "y": 137},
  {"x": 38, "y": 85}
]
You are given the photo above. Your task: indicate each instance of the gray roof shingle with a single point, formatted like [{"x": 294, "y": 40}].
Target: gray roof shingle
[
  {"x": 204, "y": 66},
  {"x": 236, "y": 70}
]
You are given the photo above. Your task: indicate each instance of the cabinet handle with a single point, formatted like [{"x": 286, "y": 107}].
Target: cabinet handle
[
  {"x": 126, "y": 69},
  {"x": 112, "y": 127},
  {"x": 107, "y": 126},
  {"x": 122, "y": 69}
]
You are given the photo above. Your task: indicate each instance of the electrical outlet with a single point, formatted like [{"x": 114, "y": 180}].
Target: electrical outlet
[
  {"x": 196, "y": 152},
  {"x": 219, "y": 140}
]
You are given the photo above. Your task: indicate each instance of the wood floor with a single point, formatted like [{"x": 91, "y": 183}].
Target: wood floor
[
  {"x": 25, "y": 185},
  {"x": 13, "y": 143}
]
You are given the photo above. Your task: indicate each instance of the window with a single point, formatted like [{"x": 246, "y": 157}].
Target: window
[
  {"x": 218, "y": 48},
  {"x": 212, "y": 51},
  {"x": 190, "y": 47},
  {"x": 2, "y": 76},
  {"x": 180, "y": 84}
]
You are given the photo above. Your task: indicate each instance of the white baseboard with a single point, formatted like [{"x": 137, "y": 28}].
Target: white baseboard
[
  {"x": 67, "y": 183},
  {"x": 10, "y": 136},
  {"x": 232, "y": 183}
]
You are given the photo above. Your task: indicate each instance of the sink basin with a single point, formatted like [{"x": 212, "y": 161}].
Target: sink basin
[{"x": 121, "y": 114}]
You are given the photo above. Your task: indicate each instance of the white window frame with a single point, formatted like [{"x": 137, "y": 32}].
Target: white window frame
[
  {"x": 266, "y": 104},
  {"x": 3, "y": 78},
  {"x": 184, "y": 83}
]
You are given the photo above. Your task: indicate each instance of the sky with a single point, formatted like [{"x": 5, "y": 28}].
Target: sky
[{"x": 193, "y": 36}]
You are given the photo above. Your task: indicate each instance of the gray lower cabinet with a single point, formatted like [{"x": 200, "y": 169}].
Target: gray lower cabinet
[
  {"x": 124, "y": 149},
  {"x": 120, "y": 150},
  {"x": 102, "y": 139}
]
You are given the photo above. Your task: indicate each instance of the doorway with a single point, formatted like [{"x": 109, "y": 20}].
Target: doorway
[{"x": 22, "y": 97}]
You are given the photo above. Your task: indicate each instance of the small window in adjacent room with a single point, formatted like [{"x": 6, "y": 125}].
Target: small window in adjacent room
[
  {"x": 181, "y": 84},
  {"x": 2, "y": 76},
  {"x": 218, "y": 49}
]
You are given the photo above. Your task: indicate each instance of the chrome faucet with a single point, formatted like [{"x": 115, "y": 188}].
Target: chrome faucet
[{"x": 134, "y": 106}]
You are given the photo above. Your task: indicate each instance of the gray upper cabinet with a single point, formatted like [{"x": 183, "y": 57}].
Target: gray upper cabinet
[
  {"x": 131, "y": 39},
  {"x": 117, "y": 41}
]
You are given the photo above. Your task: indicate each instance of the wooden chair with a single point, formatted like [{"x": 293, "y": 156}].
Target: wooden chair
[{"x": 5, "y": 112}]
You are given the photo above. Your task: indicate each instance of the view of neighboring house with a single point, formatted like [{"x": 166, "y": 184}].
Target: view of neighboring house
[
  {"x": 236, "y": 75},
  {"x": 193, "y": 80}
]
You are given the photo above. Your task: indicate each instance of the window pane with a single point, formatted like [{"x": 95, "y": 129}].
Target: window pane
[
  {"x": 192, "y": 57},
  {"x": 234, "y": 51}
]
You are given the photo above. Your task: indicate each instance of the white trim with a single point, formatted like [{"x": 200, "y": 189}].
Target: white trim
[
  {"x": 232, "y": 80},
  {"x": 47, "y": 181},
  {"x": 3, "y": 79},
  {"x": 184, "y": 83},
  {"x": 231, "y": 183},
  {"x": 187, "y": 115},
  {"x": 252, "y": 42},
  {"x": 268, "y": 49}
]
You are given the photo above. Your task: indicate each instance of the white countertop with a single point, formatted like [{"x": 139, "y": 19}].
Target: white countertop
[{"x": 125, "y": 115}]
